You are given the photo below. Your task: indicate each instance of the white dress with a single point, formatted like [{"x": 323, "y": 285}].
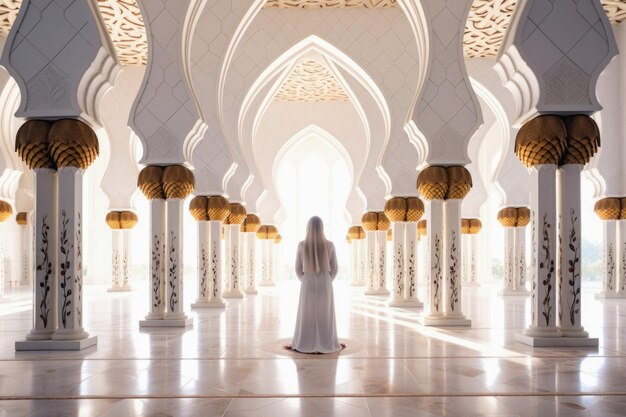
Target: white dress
[{"x": 316, "y": 330}]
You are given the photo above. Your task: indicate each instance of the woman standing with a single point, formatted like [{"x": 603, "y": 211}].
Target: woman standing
[{"x": 316, "y": 268}]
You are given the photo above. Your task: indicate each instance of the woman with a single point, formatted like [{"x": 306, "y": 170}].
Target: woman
[{"x": 316, "y": 268}]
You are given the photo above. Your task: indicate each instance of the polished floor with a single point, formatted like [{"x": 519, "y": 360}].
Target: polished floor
[{"x": 231, "y": 362}]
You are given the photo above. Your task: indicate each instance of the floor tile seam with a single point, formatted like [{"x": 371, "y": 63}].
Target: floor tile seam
[
  {"x": 296, "y": 396},
  {"x": 248, "y": 358}
]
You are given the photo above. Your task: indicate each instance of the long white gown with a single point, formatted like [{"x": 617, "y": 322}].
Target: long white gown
[{"x": 316, "y": 330}]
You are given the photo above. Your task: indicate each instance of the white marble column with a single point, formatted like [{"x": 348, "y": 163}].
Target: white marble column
[
  {"x": 621, "y": 257},
  {"x": 544, "y": 242},
  {"x": 508, "y": 284},
  {"x": 410, "y": 266},
  {"x": 452, "y": 263},
  {"x": 381, "y": 250},
  {"x": 69, "y": 256},
  {"x": 233, "y": 269},
  {"x": 45, "y": 282},
  {"x": 371, "y": 264},
  {"x": 204, "y": 286},
  {"x": 465, "y": 244},
  {"x": 156, "y": 270},
  {"x": 609, "y": 259},
  {"x": 569, "y": 262},
  {"x": 174, "y": 249},
  {"x": 361, "y": 261},
  {"x": 519, "y": 236},
  {"x": 127, "y": 260},
  {"x": 117, "y": 246},
  {"x": 398, "y": 264},
  {"x": 26, "y": 232},
  {"x": 473, "y": 259},
  {"x": 250, "y": 262},
  {"x": 267, "y": 263},
  {"x": 434, "y": 306}
]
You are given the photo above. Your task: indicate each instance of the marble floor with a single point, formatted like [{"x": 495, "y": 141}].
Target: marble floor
[{"x": 230, "y": 363}]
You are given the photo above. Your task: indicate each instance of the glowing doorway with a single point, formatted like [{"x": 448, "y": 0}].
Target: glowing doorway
[{"x": 313, "y": 175}]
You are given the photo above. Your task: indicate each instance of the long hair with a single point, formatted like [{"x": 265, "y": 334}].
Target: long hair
[{"x": 315, "y": 247}]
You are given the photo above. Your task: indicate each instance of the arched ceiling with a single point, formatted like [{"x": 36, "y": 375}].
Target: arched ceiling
[{"x": 485, "y": 29}]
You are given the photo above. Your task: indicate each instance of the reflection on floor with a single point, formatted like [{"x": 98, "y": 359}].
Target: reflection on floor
[{"x": 231, "y": 364}]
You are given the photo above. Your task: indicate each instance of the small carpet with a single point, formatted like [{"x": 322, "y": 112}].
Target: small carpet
[{"x": 276, "y": 347}]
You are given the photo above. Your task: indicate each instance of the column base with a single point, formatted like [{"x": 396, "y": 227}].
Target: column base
[
  {"x": 406, "y": 303},
  {"x": 232, "y": 294},
  {"x": 209, "y": 304},
  {"x": 536, "y": 341},
  {"x": 80, "y": 344},
  {"x": 4, "y": 299},
  {"x": 37, "y": 335},
  {"x": 541, "y": 332},
  {"x": 573, "y": 332},
  {"x": 379, "y": 291},
  {"x": 507, "y": 293},
  {"x": 441, "y": 320},
  {"x": 251, "y": 291},
  {"x": 470, "y": 284},
  {"x": 119, "y": 289},
  {"x": 267, "y": 284},
  {"x": 608, "y": 294},
  {"x": 167, "y": 323},
  {"x": 69, "y": 335}
]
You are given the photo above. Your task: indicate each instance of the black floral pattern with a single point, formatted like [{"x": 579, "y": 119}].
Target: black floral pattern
[
  {"x": 156, "y": 271},
  {"x": 203, "y": 272},
  {"x": 45, "y": 267},
  {"x": 411, "y": 270},
  {"x": 573, "y": 269},
  {"x": 215, "y": 269},
  {"x": 65, "y": 247},
  {"x": 173, "y": 272},
  {"x": 547, "y": 264},
  {"x": 399, "y": 263},
  {"x": 437, "y": 271},
  {"x": 453, "y": 271}
]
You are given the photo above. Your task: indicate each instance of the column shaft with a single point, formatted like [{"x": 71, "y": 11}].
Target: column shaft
[
  {"x": 69, "y": 255},
  {"x": 435, "y": 254},
  {"x": 399, "y": 253},
  {"x": 250, "y": 263},
  {"x": 621, "y": 251},
  {"x": 174, "y": 260},
  {"x": 215, "y": 263},
  {"x": 45, "y": 280},
  {"x": 233, "y": 287},
  {"x": 543, "y": 296},
  {"x": 520, "y": 259},
  {"x": 452, "y": 258},
  {"x": 371, "y": 264},
  {"x": 157, "y": 260},
  {"x": 127, "y": 261},
  {"x": 473, "y": 259},
  {"x": 569, "y": 262},
  {"x": 509, "y": 261},
  {"x": 116, "y": 260},
  {"x": 204, "y": 285}
]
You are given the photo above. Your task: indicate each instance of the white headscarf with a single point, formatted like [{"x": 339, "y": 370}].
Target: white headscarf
[{"x": 315, "y": 247}]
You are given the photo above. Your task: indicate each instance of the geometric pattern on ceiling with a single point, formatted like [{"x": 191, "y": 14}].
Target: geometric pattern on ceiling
[
  {"x": 486, "y": 26},
  {"x": 329, "y": 4},
  {"x": 8, "y": 13},
  {"x": 311, "y": 81},
  {"x": 121, "y": 17},
  {"x": 126, "y": 29},
  {"x": 485, "y": 30},
  {"x": 615, "y": 10}
]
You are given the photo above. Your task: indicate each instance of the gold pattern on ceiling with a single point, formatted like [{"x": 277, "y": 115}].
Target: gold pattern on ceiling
[
  {"x": 121, "y": 17},
  {"x": 486, "y": 25},
  {"x": 128, "y": 33},
  {"x": 329, "y": 4},
  {"x": 311, "y": 81}
]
